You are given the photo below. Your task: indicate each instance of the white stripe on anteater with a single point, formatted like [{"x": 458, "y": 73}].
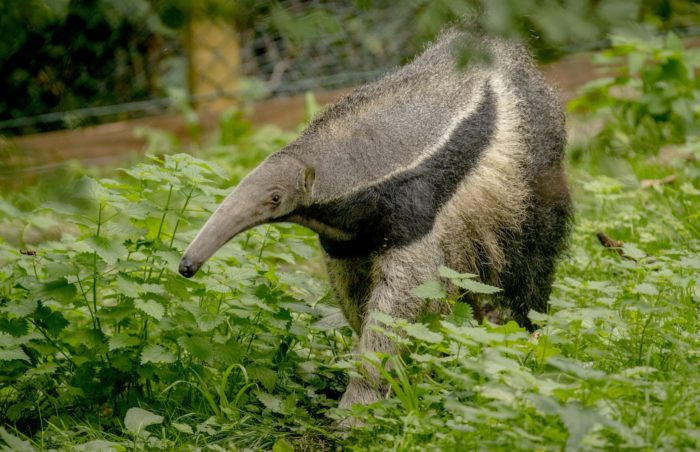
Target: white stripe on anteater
[
  {"x": 429, "y": 151},
  {"x": 491, "y": 202}
]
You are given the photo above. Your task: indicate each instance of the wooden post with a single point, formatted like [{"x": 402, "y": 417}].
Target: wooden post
[{"x": 213, "y": 64}]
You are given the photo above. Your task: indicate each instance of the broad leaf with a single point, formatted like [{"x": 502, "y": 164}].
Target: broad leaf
[
  {"x": 156, "y": 354},
  {"x": 53, "y": 321},
  {"x": 21, "y": 308},
  {"x": 267, "y": 377},
  {"x": 199, "y": 347},
  {"x": 421, "y": 332},
  {"x": 15, "y": 444},
  {"x": 122, "y": 340},
  {"x": 273, "y": 403},
  {"x": 151, "y": 307},
  {"x": 184, "y": 428},
  {"x": 646, "y": 289},
  {"x": 207, "y": 321},
  {"x": 108, "y": 250},
  {"x": 431, "y": 289},
  {"x": 13, "y": 354},
  {"x": 446, "y": 272},
  {"x": 475, "y": 286},
  {"x": 137, "y": 419},
  {"x": 58, "y": 289}
]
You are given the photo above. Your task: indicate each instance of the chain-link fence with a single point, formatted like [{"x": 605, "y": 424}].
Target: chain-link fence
[
  {"x": 90, "y": 62},
  {"x": 333, "y": 46},
  {"x": 300, "y": 46}
]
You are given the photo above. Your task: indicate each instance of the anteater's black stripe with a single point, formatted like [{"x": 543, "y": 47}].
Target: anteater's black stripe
[{"x": 402, "y": 209}]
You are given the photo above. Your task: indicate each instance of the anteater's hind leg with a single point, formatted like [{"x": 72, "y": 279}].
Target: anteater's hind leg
[
  {"x": 530, "y": 288},
  {"x": 527, "y": 279}
]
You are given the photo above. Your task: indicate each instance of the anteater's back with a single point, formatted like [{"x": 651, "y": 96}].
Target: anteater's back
[{"x": 409, "y": 114}]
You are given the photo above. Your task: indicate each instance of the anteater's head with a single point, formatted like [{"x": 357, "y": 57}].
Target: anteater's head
[{"x": 272, "y": 192}]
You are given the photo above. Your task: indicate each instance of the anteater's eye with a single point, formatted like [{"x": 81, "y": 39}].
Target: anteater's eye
[{"x": 275, "y": 198}]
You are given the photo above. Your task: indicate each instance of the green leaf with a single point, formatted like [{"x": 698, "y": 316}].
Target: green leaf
[
  {"x": 646, "y": 289},
  {"x": 13, "y": 443},
  {"x": 421, "y": 332},
  {"x": 180, "y": 287},
  {"x": 199, "y": 347},
  {"x": 302, "y": 250},
  {"x": 184, "y": 428},
  {"x": 99, "y": 445},
  {"x": 121, "y": 340},
  {"x": 577, "y": 368},
  {"x": 157, "y": 289},
  {"x": 58, "y": 289},
  {"x": 673, "y": 42},
  {"x": 13, "y": 354},
  {"x": 151, "y": 307},
  {"x": 21, "y": 308},
  {"x": 333, "y": 320},
  {"x": 690, "y": 262},
  {"x": 42, "y": 369},
  {"x": 689, "y": 189},
  {"x": 431, "y": 289},
  {"x": 636, "y": 61},
  {"x": 241, "y": 274},
  {"x": 156, "y": 354},
  {"x": 446, "y": 272},
  {"x": 475, "y": 286},
  {"x": 632, "y": 251},
  {"x": 511, "y": 327},
  {"x": 461, "y": 314},
  {"x": 267, "y": 377},
  {"x": 108, "y": 250},
  {"x": 9, "y": 210},
  {"x": 579, "y": 420},
  {"x": 273, "y": 403},
  {"x": 207, "y": 321},
  {"x": 380, "y": 317},
  {"x": 9, "y": 341},
  {"x": 287, "y": 257},
  {"x": 53, "y": 321},
  {"x": 127, "y": 286},
  {"x": 282, "y": 445},
  {"x": 137, "y": 419},
  {"x": 117, "y": 313}
]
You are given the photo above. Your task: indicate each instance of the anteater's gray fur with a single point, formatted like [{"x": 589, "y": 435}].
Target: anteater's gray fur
[{"x": 431, "y": 165}]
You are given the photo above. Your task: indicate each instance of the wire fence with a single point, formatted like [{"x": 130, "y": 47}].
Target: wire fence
[
  {"x": 343, "y": 47},
  {"x": 331, "y": 45},
  {"x": 283, "y": 50}
]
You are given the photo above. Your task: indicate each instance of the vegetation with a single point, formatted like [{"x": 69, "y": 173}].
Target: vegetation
[{"x": 104, "y": 345}]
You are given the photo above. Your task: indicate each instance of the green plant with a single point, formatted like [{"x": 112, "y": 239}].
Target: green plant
[
  {"x": 103, "y": 345},
  {"x": 651, "y": 95},
  {"x": 99, "y": 321}
]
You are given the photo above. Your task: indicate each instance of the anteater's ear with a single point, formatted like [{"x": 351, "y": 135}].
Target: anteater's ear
[{"x": 306, "y": 179}]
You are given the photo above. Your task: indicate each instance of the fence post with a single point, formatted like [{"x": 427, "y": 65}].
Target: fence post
[{"x": 213, "y": 64}]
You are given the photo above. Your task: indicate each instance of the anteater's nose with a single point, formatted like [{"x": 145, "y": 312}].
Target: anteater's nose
[{"x": 187, "y": 268}]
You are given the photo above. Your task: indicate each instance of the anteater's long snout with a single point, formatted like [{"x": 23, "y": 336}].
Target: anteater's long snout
[
  {"x": 218, "y": 230},
  {"x": 237, "y": 213},
  {"x": 187, "y": 267}
]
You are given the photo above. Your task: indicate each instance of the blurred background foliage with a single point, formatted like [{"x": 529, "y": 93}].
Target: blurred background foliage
[{"x": 64, "y": 55}]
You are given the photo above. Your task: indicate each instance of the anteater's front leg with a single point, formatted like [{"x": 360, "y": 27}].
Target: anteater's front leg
[{"x": 394, "y": 274}]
